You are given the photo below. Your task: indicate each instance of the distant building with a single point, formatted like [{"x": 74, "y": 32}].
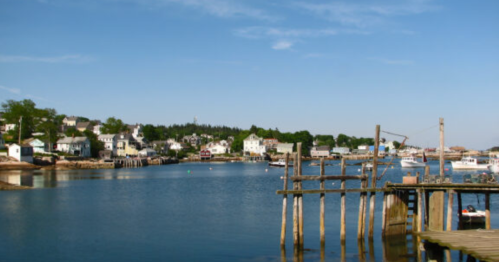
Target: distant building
[
  {"x": 253, "y": 145},
  {"x": 78, "y": 146},
  {"x": 341, "y": 150},
  {"x": 110, "y": 143},
  {"x": 320, "y": 151},
  {"x": 147, "y": 152},
  {"x": 285, "y": 148},
  {"x": 22, "y": 153},
  {"x": 270, "y": 143},
  {"x": 205, "y": 154}
]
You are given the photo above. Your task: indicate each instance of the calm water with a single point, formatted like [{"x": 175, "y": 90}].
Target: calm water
[{"x": 184, "y": 212}]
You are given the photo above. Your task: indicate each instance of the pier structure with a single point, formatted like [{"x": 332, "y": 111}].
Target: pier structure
[{"x": 414, "y": 208}]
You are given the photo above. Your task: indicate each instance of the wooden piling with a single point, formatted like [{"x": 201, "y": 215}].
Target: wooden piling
[
  {"x": 459, "y": 211},
  {"x": 285, "y": 203},
  {"x": 300, "y": 196},
  {"x": 343, "y": 227},
  {"x": 322, "y": 206},
  {"x": 450, "y": 202},
  {"x": 487, "y": 211},
  {"x": 296, "y": 235},
  {"x": 362, "y": 207},
  {"x": 373, "y": 184}
]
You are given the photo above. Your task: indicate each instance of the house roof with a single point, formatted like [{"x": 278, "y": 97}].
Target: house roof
[
  {"x": 69, "y": 140},
  {"x": 104, "y": 136},
  {"x": 85, "y": 125}
]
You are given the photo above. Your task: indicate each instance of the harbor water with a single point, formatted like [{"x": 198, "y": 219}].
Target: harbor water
[{"x": 190, "y": 212}]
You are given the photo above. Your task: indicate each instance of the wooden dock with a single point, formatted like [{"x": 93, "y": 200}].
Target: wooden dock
[{"x": 480, "y": 243}]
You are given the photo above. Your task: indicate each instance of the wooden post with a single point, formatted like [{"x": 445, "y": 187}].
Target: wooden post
[
  {"x": 296, "y": 235},
  {"x": 300, "y": 196},
  {"x": 323, "y": 205},
  {"x": 284, "y": 203},
  {"x": 442, "y": 160},
  {"x": 362, "y": 205},
  {"x": 459, "y": 210},
  {"x": 343, "y": 203},
  {"x": 420, "y": 212},
  {"x": 436, "y": 215},
  {"x": 487, "y": 210},
  {"x": 450, "y": 202},
  {"x": 383, "y": 216},
  {"x": 373, "y": 184}
]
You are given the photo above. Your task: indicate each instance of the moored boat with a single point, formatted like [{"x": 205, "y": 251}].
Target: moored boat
[
  {"x": 468, "y": 162},
  {"x": 412, "y": 161},
  {"x": 471, "y": 215},
  {"x": 279, "y": 163}
]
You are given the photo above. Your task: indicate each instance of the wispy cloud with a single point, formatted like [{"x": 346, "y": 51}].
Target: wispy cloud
[
  {"x": 53, "y": 59},
  {"x": 369, "y": 14},
  {"x": 283, "y": 38},
  {"x": 392, "y": 61},
  {"x": 225, "y": 9},
  {"x": 11, "y": 90},
  {"x": 282, "y": 45}
]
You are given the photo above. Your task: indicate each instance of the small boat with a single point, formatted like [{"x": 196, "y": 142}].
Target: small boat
[
  {"x": 471, "y": 215},
  {"x": 468, "y": 162},
  {"x": 494, "y": 164},
  {"x": 412, "y": 161},
  {"x": 279, "y": 163}
]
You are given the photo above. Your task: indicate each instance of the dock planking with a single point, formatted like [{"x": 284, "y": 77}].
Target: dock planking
[{"x": 480, "y": 243}]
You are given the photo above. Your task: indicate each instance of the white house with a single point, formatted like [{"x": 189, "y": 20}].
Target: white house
[
  {"x": 253, "y": 145},
  {"x": 110, "y": 142},
  {"x": 174, "y": 145},
  {"x": 37, "y": 144},
  {"x": 78, "y": 146},
  {"x": 71, "y": 121},
  {"x": 285, "y": 148},
  {"x": 319, "y": 151},
  {"x": 136, "y": 130},
  {"x": 218, "y": 148},
  {"x": 22, "y": 153},
  {"x": 341, "y": 150},
  {"x": 147, "y": 152}
]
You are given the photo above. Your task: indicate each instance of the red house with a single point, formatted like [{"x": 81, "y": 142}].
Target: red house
[{"x": 205, "y": 154}]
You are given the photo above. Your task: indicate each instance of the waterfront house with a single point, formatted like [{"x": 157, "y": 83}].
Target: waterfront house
[
  {"x": 205, "y": 154},
  {"x": 78, "y": 146},
  {"x": 285, "y": 148},
  {"x": 341, "y": 150},
  {"x": 127, "y": 145},
  {"x": 217, "y": 148},
  {"x": 174, "y": 145},
  {"x": 253, "y": 145},
  {"x": 147, "y": 152},
  {"x": 37, "y": 144},
  {"x": 320, "y": 151},
  {"x": 22, "y": 153},
  {"x": 97, "y": 128},
  {"x": 110, "y": 143},
  {"x": 270, "y": 143}
]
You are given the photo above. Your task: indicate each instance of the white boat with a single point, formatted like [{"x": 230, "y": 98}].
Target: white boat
[
  {"x": 468, "y": 162},
  {"x": 412, "y": 161},
  {"x": 471, "y": 215},
  {"x": 280, "y": 163},
  {"x": 494, "y": 164}
]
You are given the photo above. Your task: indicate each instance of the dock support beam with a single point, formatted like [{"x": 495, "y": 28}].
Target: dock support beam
[{"x": 373, "y": 184}]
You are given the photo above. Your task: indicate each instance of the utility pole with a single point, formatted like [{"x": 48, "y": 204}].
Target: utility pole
[{"x": 20, "y": 127}]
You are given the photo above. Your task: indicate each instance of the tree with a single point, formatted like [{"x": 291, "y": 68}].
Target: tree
[
  {"x": 113, "y": 126},
  {"x": 343, "y": 140},
  {"x": 14, "y": 111},
  {"x": 150, "y": 132},
  {"x": 325, "y": 140}
]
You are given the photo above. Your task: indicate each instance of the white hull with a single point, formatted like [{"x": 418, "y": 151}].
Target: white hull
[
  {"x": 474, "y": 217},
  {"x": 465, "y": 166},
  {"x": 468, "y": 163},
  {"x": 412, "y": 164}
]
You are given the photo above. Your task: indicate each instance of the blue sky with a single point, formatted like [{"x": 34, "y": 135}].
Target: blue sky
[{"x": 328, "y": 67}]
